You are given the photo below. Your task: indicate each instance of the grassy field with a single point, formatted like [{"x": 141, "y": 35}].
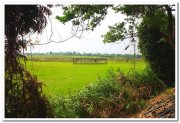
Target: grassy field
[{"x": 61, "y": 76}]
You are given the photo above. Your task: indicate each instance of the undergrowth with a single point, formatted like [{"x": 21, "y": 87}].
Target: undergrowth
[{"x": 116, "y": 95}]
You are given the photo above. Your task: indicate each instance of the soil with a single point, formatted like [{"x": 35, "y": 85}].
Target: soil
[{"x": 161, "y": 106}]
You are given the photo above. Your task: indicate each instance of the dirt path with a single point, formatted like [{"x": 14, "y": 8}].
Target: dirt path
[{"x": 162, "y": 106}]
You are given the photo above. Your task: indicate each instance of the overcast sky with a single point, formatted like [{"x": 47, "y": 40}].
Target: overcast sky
[{"x": 91, "y": 41}]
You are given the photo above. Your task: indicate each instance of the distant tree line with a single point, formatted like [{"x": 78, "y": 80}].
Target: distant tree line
[{"x": 88, "y": 54}]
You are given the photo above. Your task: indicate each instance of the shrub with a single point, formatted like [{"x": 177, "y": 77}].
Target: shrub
[
  {"x": 116, "y": 95},
  {"x": 146, "y": 83},
  {"x": 64, "y": 107},
  {"x": 24, "y": 98}
]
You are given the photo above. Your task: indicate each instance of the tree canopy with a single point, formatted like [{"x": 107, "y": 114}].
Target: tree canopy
[{"x": 91, "y": 15}]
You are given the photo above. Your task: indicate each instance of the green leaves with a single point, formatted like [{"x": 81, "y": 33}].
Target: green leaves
[
  {"x": 158, "y": 53},
  {"x": 114, "y": 96},
  {"x": 115, "y": 33},
  {"x": 130, "y": 10},
  {"x": 68, "y": 15},
  {"x": 90, "y": 15},
  {"x": 121, "y": 31}
]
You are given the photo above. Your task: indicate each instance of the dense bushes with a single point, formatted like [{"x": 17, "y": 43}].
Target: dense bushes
[
  {"x": 24, "y": 98},
  {"x": 159, "y": 54},
  {"x": 116, "y": 95}
]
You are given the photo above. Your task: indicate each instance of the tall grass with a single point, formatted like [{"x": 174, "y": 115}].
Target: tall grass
[{"x": 116, "y": 95}]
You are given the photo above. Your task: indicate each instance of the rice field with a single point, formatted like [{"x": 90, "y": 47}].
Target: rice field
[{"x": 60, "y": 76}]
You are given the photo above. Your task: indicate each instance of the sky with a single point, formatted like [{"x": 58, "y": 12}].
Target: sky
[{"x": 91, "y": 41}]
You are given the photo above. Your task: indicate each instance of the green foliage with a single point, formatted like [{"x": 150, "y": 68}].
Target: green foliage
[
  {"x": 159, "y": 54},
  {"x": 121, "y": 31},
  {"x": 157, "y": 18},
  {"x": 154, "y": 16},
  {"x": 89, "y": 16},
  {"x": 130, "y": 10},
  {"x": 64, "y": 107},
  {"x": 115, "y": 33},
  {"x": 24, "y": 98},
  {"x": 115, "y": 95},
  {"x": 79, "y": 14},
  {"x": 147, "y": 78}
]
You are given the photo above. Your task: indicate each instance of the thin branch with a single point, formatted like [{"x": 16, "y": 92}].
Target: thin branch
[
  {"x": 58, "y": 41},
  {"x": 51, "y": 41},
  {"x": 51, "y": 29}
]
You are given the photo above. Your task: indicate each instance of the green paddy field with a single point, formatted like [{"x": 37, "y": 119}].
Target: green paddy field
[{"x": 60, "y": 76}]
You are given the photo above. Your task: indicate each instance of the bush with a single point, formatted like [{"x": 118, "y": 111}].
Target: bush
[
  {"x": 146, "y": 83},
  {"x": 24, "y": 97},
  {"x": 116, "y": 95},
  {"x": 159, "y": 54},
  {"x": 64, "y": 107}
]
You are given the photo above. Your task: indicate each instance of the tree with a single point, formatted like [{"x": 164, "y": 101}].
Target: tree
[
  {"x": 23, "y": 92},
  {"x": 156, "y": 42},
  {"x": 89, "y": 16},
  {"x": 159, "y": 16},
  {"x": 150, "y": 14},
  {"x": 158, "y": 54}
]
